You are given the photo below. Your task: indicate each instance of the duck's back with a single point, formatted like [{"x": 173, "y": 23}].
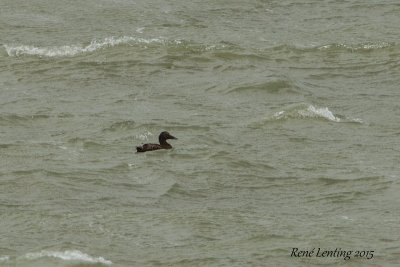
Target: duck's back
[{"x": 148, "y": 147}]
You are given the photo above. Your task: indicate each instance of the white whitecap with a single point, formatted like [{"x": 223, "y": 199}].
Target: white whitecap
[
  {"x": 310, "y": 111},
  {"x": 279, "y": 114},
  {"x": 68, "y": 255},
  {"x": 325, "y": 113},
  {"x": 4, "y": 258},
  {"x": 72, "y": 50}
]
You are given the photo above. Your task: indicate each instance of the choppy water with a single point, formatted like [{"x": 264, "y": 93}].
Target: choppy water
[{"x": 287, "y": 115}]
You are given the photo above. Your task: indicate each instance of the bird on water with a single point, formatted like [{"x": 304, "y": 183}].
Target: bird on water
[{"x": 162, "y": 138}]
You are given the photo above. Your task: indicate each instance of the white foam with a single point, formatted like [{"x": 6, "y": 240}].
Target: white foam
[
  {"x": 310, "y": 111},
  {"x": 355, "y": 47},
  {"x": 4, "y": 258},
  {"x": 68, "y": 255},
  {"x": 279, "y": 114},
  {"x": 358, "y": 120},
  {"x": 144, "y": 136},
  {"x": 140, "y": 30},
  {"x": 72, "y": 50},
  {"x": 325, "y": 113},
  {"x": 307, "y": 112}
]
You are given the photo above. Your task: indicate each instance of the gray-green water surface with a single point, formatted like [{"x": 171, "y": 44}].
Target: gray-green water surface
[{"x": 287, "y": 117}]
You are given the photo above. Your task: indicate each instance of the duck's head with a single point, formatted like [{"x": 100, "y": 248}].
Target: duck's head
[{"x": 165, "y": 135}]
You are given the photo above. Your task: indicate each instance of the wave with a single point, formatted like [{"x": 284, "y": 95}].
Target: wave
[
  {"x": 72, "y": 50},
  {"x": 306, "y": 111},
  {"x": 358, "y": 47},
  {"x": 273, "y": 86},
  {"x": 68, "y": 255},
  {"x": 309, "y": 112},
  {"x": 226, "y": 47}
]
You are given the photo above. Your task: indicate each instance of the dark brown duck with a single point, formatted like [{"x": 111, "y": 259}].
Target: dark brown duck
[{"x": 162, "y": 138}]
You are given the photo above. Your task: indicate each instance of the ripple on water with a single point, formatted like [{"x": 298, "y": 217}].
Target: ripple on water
[
  {"x": 272, "y": 86},
  {"x": 14, "y": 119},
  {"x": 86, "y": 143},
  {"x": 121, "y": 126},
  {"x": 346, "y": 190},
  {"x": 177, "y": 191}
]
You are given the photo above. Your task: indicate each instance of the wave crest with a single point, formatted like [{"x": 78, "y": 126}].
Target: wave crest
[
  {"x": 72, "y": 50},
  {"x": 306, "y": 111},
  {"x": 68, "y": 255},
  {"x": 332, "y": 47},
  {"x": 357, "y": 47},
  {"x": 309, "y": 112}
]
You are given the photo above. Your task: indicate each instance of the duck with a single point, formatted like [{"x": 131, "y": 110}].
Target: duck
[{"x": 162, "y": 138}]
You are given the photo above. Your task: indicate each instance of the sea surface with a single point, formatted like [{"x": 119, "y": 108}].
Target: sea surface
[{"x": 287, "y": 115}]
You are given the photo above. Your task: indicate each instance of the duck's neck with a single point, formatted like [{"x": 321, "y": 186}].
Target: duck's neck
[{"x": 163, "y": 142}]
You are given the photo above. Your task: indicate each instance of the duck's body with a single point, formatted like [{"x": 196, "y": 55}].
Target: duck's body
[
  {"x": 162, "y": 138},
  {"x": 151, "y": 147}
]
